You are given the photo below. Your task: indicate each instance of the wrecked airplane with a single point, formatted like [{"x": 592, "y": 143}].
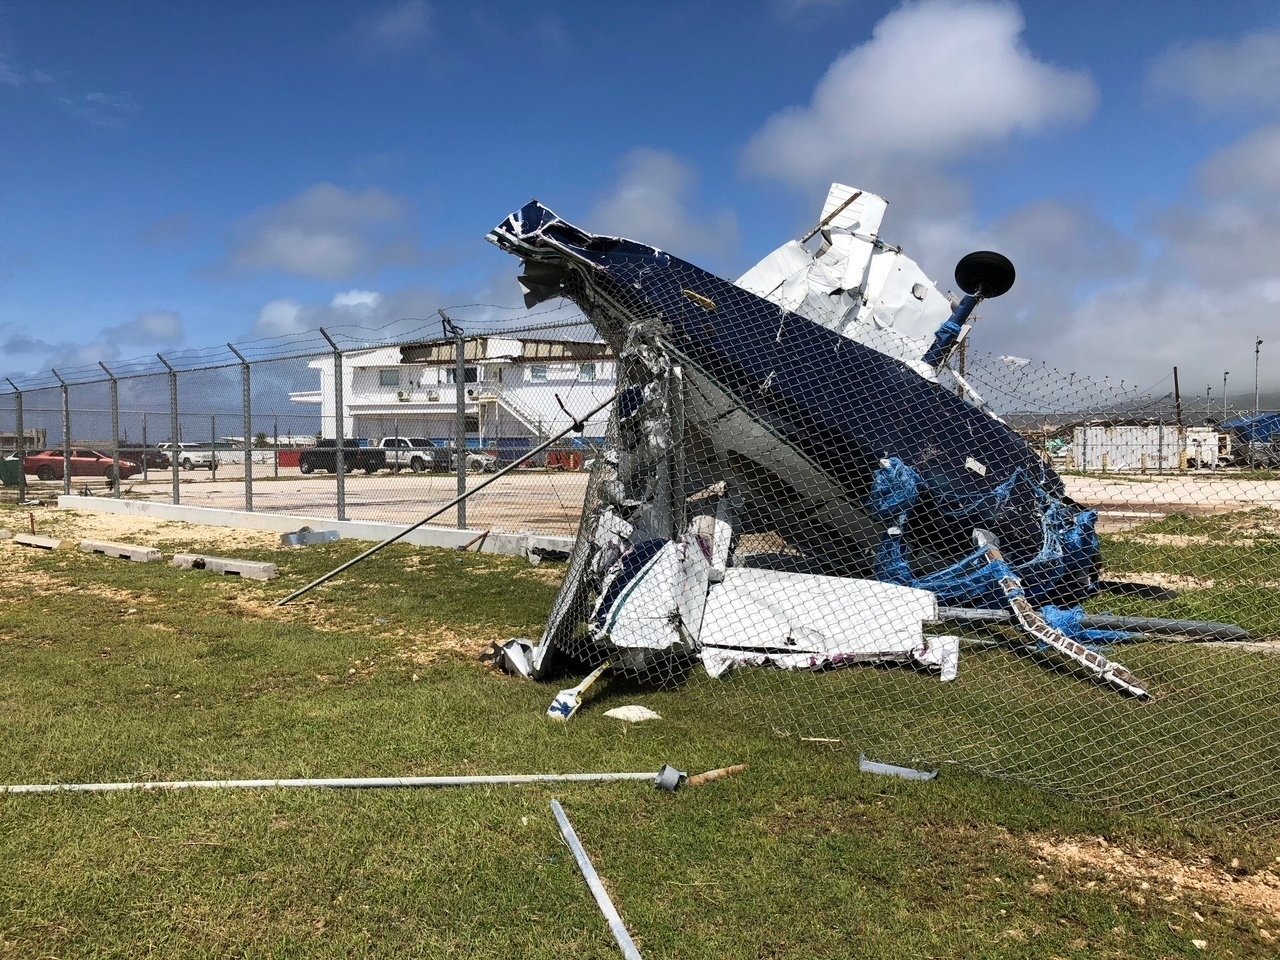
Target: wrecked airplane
[{"x": 789, "y": 480}]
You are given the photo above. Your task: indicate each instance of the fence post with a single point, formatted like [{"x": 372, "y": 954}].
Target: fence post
[
  {"x": 460, "y": 409},
  {"x": 66, "y": 434},
  {"x": 21, "y": 444},
  {"x": 144, "y": 446},
  {"x": 174, "y": 431},
  {"x": 246, "y": 402},
  {"x": 339, "y": 455},
  {"x": 677, "y": 460},
  {"x": 275, "y": 445},
  {"x": 115, "y": 430}
]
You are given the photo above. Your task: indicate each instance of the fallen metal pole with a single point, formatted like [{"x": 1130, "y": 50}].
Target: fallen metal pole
[
  {"x": 576, "y": 425},
  {"x": 619, "y": 929},
  {"x": 335, "y": 783},
  {"x": 1199, "y": 629}
]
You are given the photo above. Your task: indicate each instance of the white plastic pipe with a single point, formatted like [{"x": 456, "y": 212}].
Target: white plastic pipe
[
  {"x": 619, "y": 929},
  {"x": 334, "y": 783}
]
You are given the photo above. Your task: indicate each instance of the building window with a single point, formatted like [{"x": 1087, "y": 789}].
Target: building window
[
  {"x": 538, "y": 373},
  {"x": 587, "y": 373},
  {"x": 389, "y": 377},
  {"x": 451, "y": 375}
]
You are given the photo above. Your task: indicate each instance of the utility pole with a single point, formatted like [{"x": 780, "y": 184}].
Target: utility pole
[
  {"x": 1224, "y": 393},
  {"x": 1177, "y": 398},
  {"x": 1257, "y": 349},
  {"x": 1182, "y": 436},
  {"x": 1208, "y": 406}
]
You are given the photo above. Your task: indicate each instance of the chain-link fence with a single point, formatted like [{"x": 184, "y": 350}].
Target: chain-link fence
[
  {"x": 418, "y": 418},
  {"x": 865, "y": 538},
  {"x": 1038, "y": 575}
]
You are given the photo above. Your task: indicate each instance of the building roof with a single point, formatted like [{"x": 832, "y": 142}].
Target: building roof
[{"x": 495, "y": 347}]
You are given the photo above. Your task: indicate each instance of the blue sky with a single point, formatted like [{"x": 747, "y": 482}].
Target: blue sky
[{"x": 181, "y": 174}]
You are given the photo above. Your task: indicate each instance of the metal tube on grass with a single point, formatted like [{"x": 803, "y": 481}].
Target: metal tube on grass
[
  {"x": 601, "y": 895},
  {"x": 333, "y": 783}
]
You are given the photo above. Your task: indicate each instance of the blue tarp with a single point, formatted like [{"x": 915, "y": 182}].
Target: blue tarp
[{"x": 1264, "y": 428}]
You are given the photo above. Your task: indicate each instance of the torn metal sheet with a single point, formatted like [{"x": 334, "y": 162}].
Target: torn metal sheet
[
  {"x": 803, "y": 621},
  {"x": 941, "y": 653},
  {"x": 855, "y": 284}
]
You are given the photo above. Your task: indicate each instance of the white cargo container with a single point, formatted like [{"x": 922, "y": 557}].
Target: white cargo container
[{"x": 1152, "y": 447}]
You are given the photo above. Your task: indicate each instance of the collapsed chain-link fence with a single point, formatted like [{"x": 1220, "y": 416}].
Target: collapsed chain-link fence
[{"x": 1036, "y": 575}]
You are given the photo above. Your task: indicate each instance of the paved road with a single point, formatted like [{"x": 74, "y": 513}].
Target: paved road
[{"x": 550, "y": 502}]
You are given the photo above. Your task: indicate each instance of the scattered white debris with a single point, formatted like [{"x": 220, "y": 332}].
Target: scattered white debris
[
  {"x": 942, "y": 654},
  {"x": 632, "y": 713}
]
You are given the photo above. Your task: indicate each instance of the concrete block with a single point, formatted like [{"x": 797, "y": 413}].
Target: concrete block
[
  {"x": 307, "y": 537},
  {"x": 249, "y": 569},
  {"x": 35, "y": 540},
  {"x": 121, "y": 551},
  {"x": 5, "y": 534}
]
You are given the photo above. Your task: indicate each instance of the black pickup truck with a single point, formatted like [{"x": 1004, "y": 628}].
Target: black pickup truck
[{"x": 324, "y": 456}]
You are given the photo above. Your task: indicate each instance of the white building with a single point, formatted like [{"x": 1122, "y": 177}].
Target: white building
[{"x": 509, "y": 390}]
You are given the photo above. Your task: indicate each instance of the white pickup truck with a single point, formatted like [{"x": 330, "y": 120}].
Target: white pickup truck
[
  {"x": 189, "y": 456},
  {"x": 415, "y": 453}
]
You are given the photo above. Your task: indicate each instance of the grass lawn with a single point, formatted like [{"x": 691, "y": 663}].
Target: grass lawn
[{"x": 118, "y": 671}]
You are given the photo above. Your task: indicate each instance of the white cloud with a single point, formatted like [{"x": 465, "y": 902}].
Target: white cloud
[
  {"x": 1250, "y": 165},
  {"x": 395, "y": 27},
  {"x": 793, "y": 8},
  {"x": 326, "y": 233},
  {"x": 938, "y": 80},
  {"x": 651, "y": 202},
  {"x": 380, "y": 314},
  {"x": 10, "y": 76},
  {"x": 357, "y": 300},
  {"x": 1235, "y": 74},
  {"x": 1086, "y": 299},
  {"x": 279, "y": 318},
  {"x": 1228, "y": 233},
  {"x": 156, "y": 327}
]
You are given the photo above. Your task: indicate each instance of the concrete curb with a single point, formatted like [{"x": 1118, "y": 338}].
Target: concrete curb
[
  {"x": 248, "y": 569},
  {"x": 511, "y": 544},
  {"x": 121, "y": 551},
  {"x": 35, "y": 540}
]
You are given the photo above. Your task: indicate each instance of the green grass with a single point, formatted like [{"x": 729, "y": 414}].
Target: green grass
[
  {"x": 1232, "y": 560},
  {"x": 113, "y": 671}
]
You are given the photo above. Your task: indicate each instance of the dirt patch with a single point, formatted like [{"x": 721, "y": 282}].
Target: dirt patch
[
  {"x": 22, "y": 584},
  {"x": 1166, "y": 581},
  {"x": 1251, "y": 892},
  {"x": 552, "y": 573},
  {"x": 145, "y": 531},
  {"x": 424, "y": 649}
]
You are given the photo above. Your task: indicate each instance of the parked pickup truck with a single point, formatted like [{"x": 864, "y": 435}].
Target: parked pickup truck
[
  {"x": 415, "y": 453},
  {"x": 324, "y": 456}
]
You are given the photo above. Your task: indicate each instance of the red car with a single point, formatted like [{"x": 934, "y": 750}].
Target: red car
[{"x": 48, "y": 465}]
